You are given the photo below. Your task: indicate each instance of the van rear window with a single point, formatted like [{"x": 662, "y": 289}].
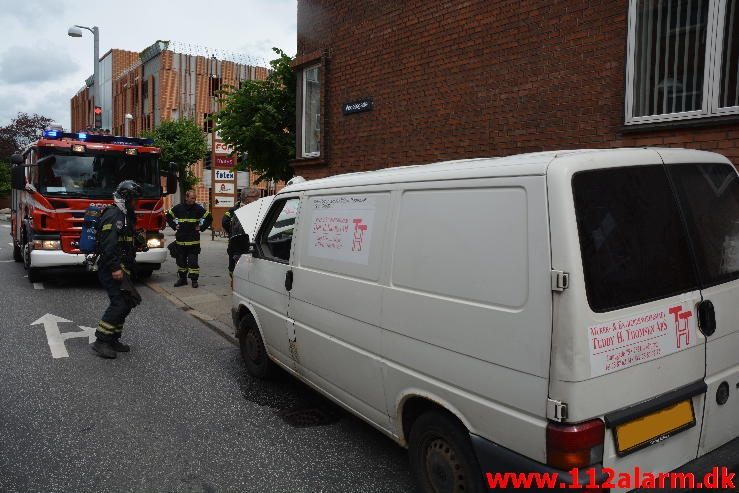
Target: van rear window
[
  {"x": 634, "y": 247},
  {"x": 710, "y": 197}
]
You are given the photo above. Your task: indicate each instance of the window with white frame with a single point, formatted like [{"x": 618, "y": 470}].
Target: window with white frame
[
  {"x": 311, "y": 114},
  {"x": 683, "y": 60}
]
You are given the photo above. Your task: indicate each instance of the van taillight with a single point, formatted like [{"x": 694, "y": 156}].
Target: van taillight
[{"x": 578, "y": 445}]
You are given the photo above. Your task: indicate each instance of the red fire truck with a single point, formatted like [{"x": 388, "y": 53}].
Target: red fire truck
[{"x": 60, "y": 175}]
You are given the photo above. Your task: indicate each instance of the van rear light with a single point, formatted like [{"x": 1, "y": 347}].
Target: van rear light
[{"x": 578, "y": 445}]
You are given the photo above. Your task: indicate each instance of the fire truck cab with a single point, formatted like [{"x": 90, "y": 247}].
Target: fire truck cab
[{"x": 56, "y": 178}]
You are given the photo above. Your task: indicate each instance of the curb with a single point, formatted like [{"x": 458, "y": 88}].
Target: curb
[{"x": 216, "y": 326}]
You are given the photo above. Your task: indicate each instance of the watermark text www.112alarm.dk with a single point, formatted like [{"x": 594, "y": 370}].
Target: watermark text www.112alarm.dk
[{"x": 719, "y": 478}]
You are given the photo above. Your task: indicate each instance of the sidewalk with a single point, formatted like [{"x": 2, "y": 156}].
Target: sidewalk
[{"x": 211, "y": 301}]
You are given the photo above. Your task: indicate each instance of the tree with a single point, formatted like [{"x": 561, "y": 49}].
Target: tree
[
  {"x": 183, "y": 143},
  {"x": 258, "y": 120},
  {"x": 4, "y": 179},
  {"x": 22, "y": 130}
]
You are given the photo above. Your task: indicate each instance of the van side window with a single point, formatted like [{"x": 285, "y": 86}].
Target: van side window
[
  {"x": 634, "y": 247},
  {"x": 710, "y": 197},
  {"x": 276, "y": 235}
]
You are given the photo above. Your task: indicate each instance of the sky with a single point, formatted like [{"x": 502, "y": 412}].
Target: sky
[{"x": 41, "y": 68}]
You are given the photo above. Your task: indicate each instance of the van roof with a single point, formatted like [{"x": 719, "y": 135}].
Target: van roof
[{"x": 529, "y": 164}]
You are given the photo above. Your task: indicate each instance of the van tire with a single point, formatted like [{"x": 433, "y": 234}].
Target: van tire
[
  {"x": 253, "y": 352},
  {"x": 34, "y": 274},
  {"x": 441, "y": 455}
]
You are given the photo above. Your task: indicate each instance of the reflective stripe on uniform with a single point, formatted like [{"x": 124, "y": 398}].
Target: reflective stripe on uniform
[
  {"x": 188, "y": 243},
  {"x": 106, "y": 328},
  {"x": 106, "y": 227},
  {"x": 227, "y": 214},
  {"x": 188, "y": 220}
]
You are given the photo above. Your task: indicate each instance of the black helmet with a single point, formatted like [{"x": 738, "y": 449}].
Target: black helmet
[{"x": 128, "y": 190}]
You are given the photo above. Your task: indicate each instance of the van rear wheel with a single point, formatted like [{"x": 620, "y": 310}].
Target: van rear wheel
[
  {"x": 253, "y": 352},
  {"x": 441, "y": 456}
]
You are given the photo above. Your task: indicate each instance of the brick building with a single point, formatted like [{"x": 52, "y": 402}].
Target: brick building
[
  {"x": 470, "y": 78},
  {"x": 167, "y": 80}
]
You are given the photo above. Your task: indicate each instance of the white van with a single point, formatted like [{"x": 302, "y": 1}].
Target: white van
[{"x": 533, "y": 313}]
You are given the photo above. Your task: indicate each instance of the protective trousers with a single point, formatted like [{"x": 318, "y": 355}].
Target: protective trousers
[
  {"x": 187, "y": 261},
  {"x": 111, "y": 324}
]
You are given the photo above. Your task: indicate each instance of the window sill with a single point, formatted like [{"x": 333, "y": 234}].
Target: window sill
[
  {"x": 308, "y": 161},
  {"x": 713, "y": 121}
]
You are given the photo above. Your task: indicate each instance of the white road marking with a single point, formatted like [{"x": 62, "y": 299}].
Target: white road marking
[
  {"x": 56, "y": 338},
  {"x": 38, "y": 285},
  {"x": 9, "y": 243},
  {"x": 6, "y": 225},
  {"x": 6, "y": 261}
]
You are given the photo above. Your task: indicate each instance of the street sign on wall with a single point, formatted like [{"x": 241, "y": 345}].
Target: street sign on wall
[
  {"x": 224, "y": 162},
  {"x": 222, "y": 149}
]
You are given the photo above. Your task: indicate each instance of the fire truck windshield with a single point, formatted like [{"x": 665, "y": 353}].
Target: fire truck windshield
[{"x": 96, "y": 175}]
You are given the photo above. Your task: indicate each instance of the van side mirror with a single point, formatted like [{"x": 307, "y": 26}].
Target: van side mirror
[
  {"x": 16, "y": 158},
  {"x": 240, "y": 245},
  {"x": 18, "y": 178}
]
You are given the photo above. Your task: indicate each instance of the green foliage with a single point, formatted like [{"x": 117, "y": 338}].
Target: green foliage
[
  {"x": 4, "y": 179},
  {"x": 258, "y": 120},
  {"x": 182, "y": 143}
]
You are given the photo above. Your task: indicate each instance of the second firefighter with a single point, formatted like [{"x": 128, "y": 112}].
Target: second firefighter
[{"x": 188, "y": 219}]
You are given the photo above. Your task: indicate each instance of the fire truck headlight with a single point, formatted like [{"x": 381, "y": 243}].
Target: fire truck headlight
[
  {"x": 78, "y": 148},
  {"x": 47, "y": 245},
  {"x": 155, "y": 243}
]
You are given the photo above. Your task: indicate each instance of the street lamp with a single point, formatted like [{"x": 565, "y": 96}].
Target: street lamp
[
  {"x": 76, "y": 32},
  {"x": 126, "y": 120}
]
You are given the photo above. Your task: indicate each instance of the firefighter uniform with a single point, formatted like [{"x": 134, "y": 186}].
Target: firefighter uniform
[
  {"x": 117, "y": 244},
  {"x": 192, "y": 220},
  {"x": 229, "y": 218}
]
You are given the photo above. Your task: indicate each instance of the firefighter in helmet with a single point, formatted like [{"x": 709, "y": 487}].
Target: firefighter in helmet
[
  {"x": 188, "y": 219},
  {"x": 117, "y": 243}
]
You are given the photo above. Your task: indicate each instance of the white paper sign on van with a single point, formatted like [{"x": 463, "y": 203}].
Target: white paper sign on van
[
  {"x": 341, "y": 228},
  {"x": 623, "y": 343}
]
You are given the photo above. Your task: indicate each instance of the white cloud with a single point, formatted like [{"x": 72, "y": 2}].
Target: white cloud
[{"x": 25, "y": 65}]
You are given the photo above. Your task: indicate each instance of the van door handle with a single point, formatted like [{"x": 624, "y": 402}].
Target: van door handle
[
  {"x": 706, "y": 317},
  {"x": 289, "y": 280}
]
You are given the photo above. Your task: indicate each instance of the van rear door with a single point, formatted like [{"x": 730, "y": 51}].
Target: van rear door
[
  {"x": 709, "y": 197},
  {"x": 625, "y": 339}
]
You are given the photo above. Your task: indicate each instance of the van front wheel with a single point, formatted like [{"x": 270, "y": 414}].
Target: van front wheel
[
  {"x": 441, "y": 456},
  {"x": 253, "y": 352}
]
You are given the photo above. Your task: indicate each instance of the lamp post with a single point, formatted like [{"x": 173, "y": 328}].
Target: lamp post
[
  {"x": 76, "y": 32},
  {"x": 127, "y": 119}
]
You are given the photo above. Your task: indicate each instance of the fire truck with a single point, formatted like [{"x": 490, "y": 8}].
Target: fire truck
[{"x": 56, "y": 178}]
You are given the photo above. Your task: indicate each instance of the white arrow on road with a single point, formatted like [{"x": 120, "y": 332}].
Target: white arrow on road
[{"x": 56, "y": 338}]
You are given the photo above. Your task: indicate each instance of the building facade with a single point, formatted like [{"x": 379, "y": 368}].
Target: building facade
[
  {"x": 166, "y": 81},
  {"x": 385, "y": 84}
]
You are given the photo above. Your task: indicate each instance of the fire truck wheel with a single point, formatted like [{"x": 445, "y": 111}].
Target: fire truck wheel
[{"x": 17, "y": 254}]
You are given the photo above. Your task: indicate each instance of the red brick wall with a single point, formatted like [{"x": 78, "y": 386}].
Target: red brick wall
[{"x": 470, "y": 78}]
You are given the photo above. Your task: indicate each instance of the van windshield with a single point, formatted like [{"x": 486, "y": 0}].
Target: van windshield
[{"x": 634, "y": 243}]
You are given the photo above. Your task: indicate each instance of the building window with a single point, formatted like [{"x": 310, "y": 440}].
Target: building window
[
  {"x": 311, "y": 113},
  {"x": 215, "y": 85},
  {"x": 683, "y": 58},
  {"x": 207, "y": 123}
]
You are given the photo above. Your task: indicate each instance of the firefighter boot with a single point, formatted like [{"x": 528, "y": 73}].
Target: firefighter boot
[
  {"x": 194, "y": 283},
  {"x": 103, "y": 349},
  {"x": 182, "y": 281},
  {"x": 119, "y": 347}
]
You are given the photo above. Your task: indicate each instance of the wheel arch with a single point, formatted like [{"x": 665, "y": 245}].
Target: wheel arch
[{"x": 415, "y": 403}]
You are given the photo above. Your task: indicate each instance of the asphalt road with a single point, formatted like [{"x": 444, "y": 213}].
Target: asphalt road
[{"x": 177, "y": 414}]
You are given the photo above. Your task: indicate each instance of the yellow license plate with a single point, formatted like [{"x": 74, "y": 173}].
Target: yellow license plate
[{"x": 654, "y": 428}]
